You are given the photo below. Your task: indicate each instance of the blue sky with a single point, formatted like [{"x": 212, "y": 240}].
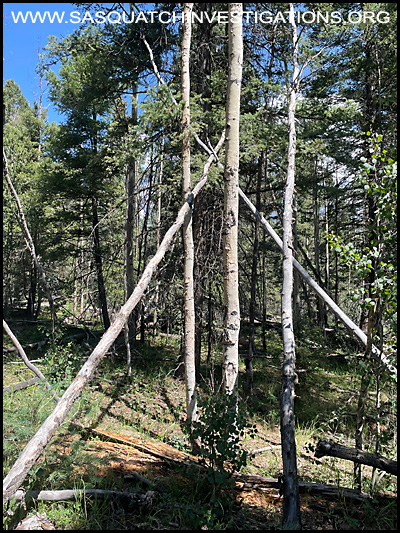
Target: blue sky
[
  {"x": 21, "y": 42},
  {"x": 20, "y": 47}
]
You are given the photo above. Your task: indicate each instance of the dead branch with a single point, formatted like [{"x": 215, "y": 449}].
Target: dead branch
[
  {"x": 29, "y": 241},
  {"x": 137, "y": 477},
  {"x": 333, "y": 449},
  {"x": 26, "y": 360},
  {"x": 74, "y": 494},
  {"x": 20, "y": 386}
]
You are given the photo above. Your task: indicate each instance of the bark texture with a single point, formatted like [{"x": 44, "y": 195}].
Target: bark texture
[
  {"x": 189, "y": 348},
  {"x": 231, "y": 201},
  {"x": 291, "y": 499}
]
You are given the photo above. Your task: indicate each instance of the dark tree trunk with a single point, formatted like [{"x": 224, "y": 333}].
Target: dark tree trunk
[
  {"x": 99, "y": 265},
  {"x": 251, "y": 350},
  {"x": 30, "y": 307}
]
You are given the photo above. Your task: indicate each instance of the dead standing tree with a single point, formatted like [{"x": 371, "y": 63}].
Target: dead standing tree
[{"x": 29, "y": 241}]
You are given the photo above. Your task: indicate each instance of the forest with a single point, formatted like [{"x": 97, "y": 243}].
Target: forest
[{"x": 200, "y": 271}]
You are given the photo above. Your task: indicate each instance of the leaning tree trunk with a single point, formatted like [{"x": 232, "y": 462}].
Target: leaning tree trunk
[
  {"x": 231, "y": 202},
  {"x": 45, "y": 433},
  {"x": 353, "y": 329},
  {"x": 189, "y": 329},
  {"x": 291, "y": 499}
]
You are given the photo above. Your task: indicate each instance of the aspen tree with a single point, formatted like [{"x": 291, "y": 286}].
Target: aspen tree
[
  {"x": 190, "y": 371},
  {"x": 291, "y": 500},
  {"x": 231, "y": 201}
]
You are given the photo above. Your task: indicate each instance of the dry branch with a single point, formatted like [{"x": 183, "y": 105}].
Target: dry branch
[
  {"x": 26, "y": 360},
  {"x": 333, "y": 449},
  {"x": 74, "y": 494},
  {"x": 20, "y": 386},
  {"x": 45, "y": 433}
]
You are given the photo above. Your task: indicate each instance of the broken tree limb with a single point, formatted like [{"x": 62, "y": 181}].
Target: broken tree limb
[
  {"x": 333, "y": 449},
  {"x": 29, "y": 241},
  {"x": 45, "y": 433},
  {"x": 32, "y": 346},
  {"x": 351, "y": 326},
  {"x": 25, "y": 359},
  {"x": 74, "y": 494},
  {"x": 20, "y": 386}
]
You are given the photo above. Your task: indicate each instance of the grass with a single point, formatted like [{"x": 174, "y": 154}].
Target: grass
[{"x": 151, "y": 405}]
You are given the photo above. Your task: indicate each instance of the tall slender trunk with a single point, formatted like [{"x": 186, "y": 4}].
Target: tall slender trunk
[
  {"x": 362, "y": 399},
  {"x": 160, "y": 178},
  {"x": 130, "y": 218},
  {"x": 231, "y": 202},
  {"x": 142, "y": 245},
  {"x": 99, "y": 264},
  {"x": 252, "y": 309},
  {"x": 296, "y": 277},
  {"x": 189, "y": 334},
  {"x": 320, "y": 304},
  {"x": 291, "y": 500}
]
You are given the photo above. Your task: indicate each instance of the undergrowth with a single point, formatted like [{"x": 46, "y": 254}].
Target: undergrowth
[{"x": 150, "y": 404}]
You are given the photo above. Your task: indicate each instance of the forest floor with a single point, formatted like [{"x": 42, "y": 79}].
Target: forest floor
[{"x": 140, "y": 430}]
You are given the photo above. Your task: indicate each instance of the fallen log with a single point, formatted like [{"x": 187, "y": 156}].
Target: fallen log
[
  {"x": 332, "y": 449},
  {"x": 244, "y": 482},
  {"x": 20, "y": 386},
  {"x": 74, "y": 494},
  {"x": 32, "y": 346}
]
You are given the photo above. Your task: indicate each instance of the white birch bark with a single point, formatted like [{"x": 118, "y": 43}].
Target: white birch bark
[
  {"x": 189, "y": 337},
  {"x": 231, "y": 202}
]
